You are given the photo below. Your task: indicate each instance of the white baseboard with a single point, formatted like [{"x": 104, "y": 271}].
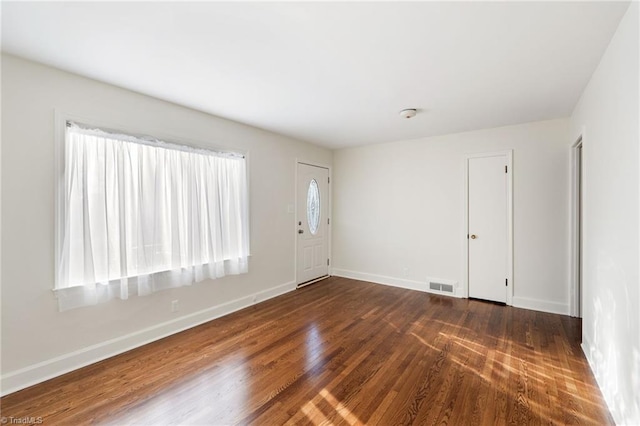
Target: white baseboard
[
  {"x": 589, "y": 352},
  {"x": 397, "y": 282},
  {"x": 541, "y": 305},
  {"x": 518, "y": 302},
  {"x": 45, "y": 370}
]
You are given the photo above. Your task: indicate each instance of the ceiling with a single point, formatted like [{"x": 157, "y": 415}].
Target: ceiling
[{"x": 334, "y": 74}]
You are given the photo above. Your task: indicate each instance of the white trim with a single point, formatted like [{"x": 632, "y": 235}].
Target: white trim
[
  {"x": 508, "y": 154},
  {"x": 574, "y": 243},
  {"x": 541, "y": 305},
  {"x": 518, "y": 302},
  {"x": 313, "y": 281},
  {"x": 399, "y": 282},
  {"x": 590, "y": 354},
  {"x": 295, "y": 214},
  {"x": 54, "y": 367}
]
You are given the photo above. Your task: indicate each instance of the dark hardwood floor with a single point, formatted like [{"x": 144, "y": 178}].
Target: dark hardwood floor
[{"x": 339, "y": 352}]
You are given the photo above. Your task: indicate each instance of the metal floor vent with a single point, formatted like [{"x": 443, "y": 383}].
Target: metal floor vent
[{"x": 445, "y": 288}]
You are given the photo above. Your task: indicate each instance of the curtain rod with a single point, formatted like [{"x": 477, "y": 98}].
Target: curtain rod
[{"x": 149, "y": 140}]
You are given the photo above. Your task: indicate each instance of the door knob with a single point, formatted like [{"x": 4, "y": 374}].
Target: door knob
[
  {"x": 300, "y": 231},
  {"x": 473, "y": 236}
]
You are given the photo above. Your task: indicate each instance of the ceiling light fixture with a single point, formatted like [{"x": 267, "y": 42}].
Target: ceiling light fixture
[{"x": 408, "y": 113}]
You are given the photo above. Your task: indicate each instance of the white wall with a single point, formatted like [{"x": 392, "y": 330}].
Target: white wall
[
  {"x": 398, "y": 210},
  {"x": 607, "y": 118},
  {"x": 37, "y": 340}
]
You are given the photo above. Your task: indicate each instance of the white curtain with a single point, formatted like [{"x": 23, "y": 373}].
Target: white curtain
[{"x": 141, "y": 216}]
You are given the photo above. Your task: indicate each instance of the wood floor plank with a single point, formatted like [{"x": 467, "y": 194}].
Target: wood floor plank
[{"x": 340, "y": 352}]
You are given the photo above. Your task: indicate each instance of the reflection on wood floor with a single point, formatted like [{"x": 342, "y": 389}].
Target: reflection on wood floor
[{"x": 339, "y": 352}]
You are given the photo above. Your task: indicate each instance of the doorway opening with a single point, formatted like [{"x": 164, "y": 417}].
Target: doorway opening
[{"x": 577, "y": 196}]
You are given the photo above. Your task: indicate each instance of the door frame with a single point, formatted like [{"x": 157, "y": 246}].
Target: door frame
[
  {"x": 295, "y": 220},
  {"x": 508, "y": 154},
  {"x": 577, "y": 170}
]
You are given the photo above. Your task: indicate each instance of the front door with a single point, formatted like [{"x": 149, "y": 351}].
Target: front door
[{"x": 312, "y": 223}]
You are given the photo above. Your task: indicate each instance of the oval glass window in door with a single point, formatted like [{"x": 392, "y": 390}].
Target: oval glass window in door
[{"x": 313, "y": 207}]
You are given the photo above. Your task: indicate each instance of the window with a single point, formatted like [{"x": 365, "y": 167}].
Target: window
[
  {"x": 313, "y": 207},
  {"x": 142, "y": 215}
]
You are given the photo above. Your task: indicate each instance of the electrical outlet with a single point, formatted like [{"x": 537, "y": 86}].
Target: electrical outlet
[{"x": 174, "y": 306}]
